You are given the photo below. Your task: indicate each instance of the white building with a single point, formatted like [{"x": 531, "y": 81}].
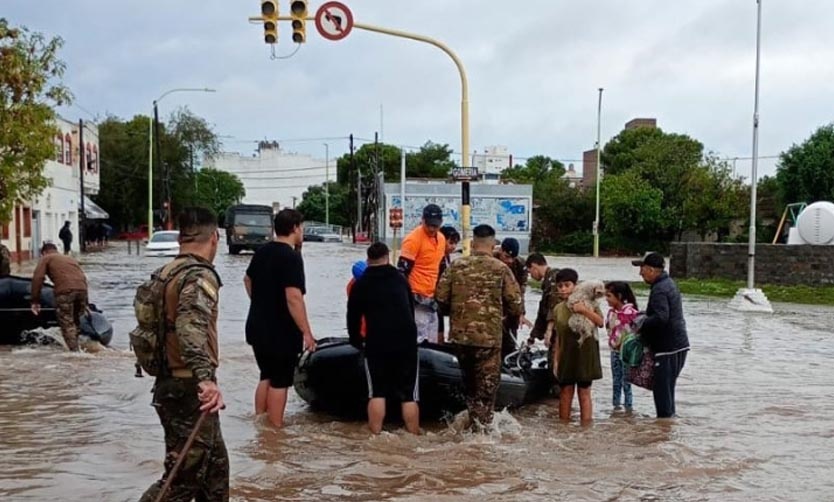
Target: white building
[
  {"x": 492, "y": 161},
  {"x": 573, "y": 178},
  {"x": 40, "y": 220},
  {"x": 273, "y": 176}
]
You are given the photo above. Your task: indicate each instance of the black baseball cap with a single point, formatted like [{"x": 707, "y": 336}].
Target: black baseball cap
[
  {"x": 433, "y": 215},
  {"x": 510, "y": 246},
  {"x": 650, "y": 259}
]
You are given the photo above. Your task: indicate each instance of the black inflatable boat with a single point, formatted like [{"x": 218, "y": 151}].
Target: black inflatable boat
[
  {"x": 332, "y": 379},
  {"x": 16, "y": 318}
]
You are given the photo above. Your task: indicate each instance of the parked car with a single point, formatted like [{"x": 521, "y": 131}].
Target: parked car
[
  {"x": 321, "y": 234},
  {"x": 164, "y": 243}
]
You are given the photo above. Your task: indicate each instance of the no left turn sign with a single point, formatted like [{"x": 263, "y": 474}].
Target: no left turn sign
[{"x": 334, "y": 20}]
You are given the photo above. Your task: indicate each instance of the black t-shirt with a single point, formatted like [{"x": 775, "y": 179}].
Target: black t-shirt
[{"x": 274, "y": 268}]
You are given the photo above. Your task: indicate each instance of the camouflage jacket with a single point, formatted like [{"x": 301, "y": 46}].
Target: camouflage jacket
[
  {"x": 191, "y": 311},
  {"x": 5, "y": 261},
  {"x": 549, "y": 300},
  {"x": 476, "y": 291}
]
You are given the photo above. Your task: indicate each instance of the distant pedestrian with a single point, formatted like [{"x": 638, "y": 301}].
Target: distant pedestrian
[
  {"x": 663, "y": 331},
  {"x": 452, "y": 240},
  {"x": 382, "y": 298},
  {"x": 277, "y": 327},
  {"x": 476, "y": 291},
  {"x": 422, "y": 251},
  {"x": 577, "y": 364},
  {"x": 619, "y": 320},
  {"x": 65, "y": 235},
  {"x": 70, "y": 286}
]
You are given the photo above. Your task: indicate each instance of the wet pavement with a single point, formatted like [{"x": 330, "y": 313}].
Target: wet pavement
[{"x": 755, "y": 405}]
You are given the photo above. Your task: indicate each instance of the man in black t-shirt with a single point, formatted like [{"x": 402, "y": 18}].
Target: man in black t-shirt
[{"x": 277, "y": 327}]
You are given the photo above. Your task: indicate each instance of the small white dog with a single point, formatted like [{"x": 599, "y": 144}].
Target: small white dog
[{"x": 588, "y": 293}]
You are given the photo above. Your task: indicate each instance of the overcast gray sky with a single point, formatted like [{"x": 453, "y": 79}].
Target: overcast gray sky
[{"x": 534, "y": 69}]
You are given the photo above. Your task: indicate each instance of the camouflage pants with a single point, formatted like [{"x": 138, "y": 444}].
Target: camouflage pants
[
  {"x": 204, "y": 475},
  {"x": 70, "y": 307},
  {"x": 481, "y": 371}
]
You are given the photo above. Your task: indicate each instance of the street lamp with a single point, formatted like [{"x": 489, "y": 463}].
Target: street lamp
[
  {"x": 599, "y": 156},
  {"x": 154, "y": 125},
  {"x": 327, "y": 185},
  {"x": 750, "y": 298}
]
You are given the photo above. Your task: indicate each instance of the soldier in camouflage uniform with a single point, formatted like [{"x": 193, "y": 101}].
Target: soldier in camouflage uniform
[
  {"x": 508, "y": 254},
  {"x": 476, "y": 291},
  {"x": 5, "y": 261},
  {"x": 188, "y": 386},
  {"x": 70, "y": 289},
  {"x": 540, "y": 271}
]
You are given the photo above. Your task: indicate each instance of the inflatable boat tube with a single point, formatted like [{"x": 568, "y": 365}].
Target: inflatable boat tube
[
  {"x": 16, "y": 316},
  {"x": 332, "y": 379}
]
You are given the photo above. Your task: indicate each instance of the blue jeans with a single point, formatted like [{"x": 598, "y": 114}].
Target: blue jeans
[{"x": 621, "y": 385}]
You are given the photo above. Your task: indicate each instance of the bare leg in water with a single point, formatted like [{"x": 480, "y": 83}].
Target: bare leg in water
[
  {"x": 260, "y": 397},
  {"x": 565, "y": 402},
  {"x": 276, "y": 403},
  {"x": 376, "y": 414},
  {"x": 586, "y": 408},
  {"x": 411, "y": 417}
]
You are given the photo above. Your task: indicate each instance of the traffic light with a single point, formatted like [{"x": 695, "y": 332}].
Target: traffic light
[
  {"x": 298, "y": 12},
  {"x": 269, "y": 12}
]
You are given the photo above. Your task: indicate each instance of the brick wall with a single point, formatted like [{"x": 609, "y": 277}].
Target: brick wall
[{"x": 775, "y": 264}]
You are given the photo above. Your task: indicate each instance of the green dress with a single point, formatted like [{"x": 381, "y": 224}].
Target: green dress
[{"x": 576, "y": 363}]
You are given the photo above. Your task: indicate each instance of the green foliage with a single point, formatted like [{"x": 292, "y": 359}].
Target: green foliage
[
  {"x": 124, "y": 165},
  {"x": 218, "y": 190},
  {"x": 632, "y": 206},
  {"x": 806, "y": 172},
  {"x": 313, "y": 205},
  {"x": 30, "y": 86}
]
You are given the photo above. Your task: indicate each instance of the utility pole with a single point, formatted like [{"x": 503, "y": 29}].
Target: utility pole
[
  {"x": 352, "y": 170},
  {"x": 359, "y": 199},
  {"x": 599, "y": 158},
  {"x": 164, "y": 171},
  {"x": 82, "y": 161},
  {"x": 327, "y": 185}
]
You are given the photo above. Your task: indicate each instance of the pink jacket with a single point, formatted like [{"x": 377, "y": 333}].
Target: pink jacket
[{"x": 617, "y": 321}]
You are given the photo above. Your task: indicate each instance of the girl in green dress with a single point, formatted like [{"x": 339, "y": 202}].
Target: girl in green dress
[{"x": 576, "y": 365}]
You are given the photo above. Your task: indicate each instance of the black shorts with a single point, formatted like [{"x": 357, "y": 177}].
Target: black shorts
[
  {"x": 276, "y": 366},
  {"x": 394, "y": 376}
]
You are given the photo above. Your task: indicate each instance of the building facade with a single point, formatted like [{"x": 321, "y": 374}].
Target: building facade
[
  {"x": 274, "y": 177},
  {"x": 492, "y": 162},
  {"x": 37, "y": 221}
]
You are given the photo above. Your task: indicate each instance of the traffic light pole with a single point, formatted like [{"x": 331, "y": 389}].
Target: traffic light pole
[{"x": 465, "y": 210}]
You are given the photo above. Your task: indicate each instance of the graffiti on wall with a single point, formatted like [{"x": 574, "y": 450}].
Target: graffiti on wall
[{"x": 504, "y": 214}]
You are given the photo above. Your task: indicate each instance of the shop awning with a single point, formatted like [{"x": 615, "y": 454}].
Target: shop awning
[{"x": 93, "y": 211}]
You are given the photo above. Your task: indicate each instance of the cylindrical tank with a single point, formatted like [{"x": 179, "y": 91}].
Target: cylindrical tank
[{"x": 816, "y": 223}]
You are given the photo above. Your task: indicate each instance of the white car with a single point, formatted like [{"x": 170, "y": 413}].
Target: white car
[{"x": 164, "y": 243}]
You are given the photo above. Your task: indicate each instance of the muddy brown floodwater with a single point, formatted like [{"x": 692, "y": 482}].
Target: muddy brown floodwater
[{"x": 755, "y": 403}]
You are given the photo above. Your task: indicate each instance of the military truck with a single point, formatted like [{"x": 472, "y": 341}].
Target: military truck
[{"x": 248, "y": 226}]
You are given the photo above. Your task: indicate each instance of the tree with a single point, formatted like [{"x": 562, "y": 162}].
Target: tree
[
  {"x": 30, "y": 86},
  {"x": 124, "y": 164},
  {"x": 313, "y": 205},
  {"x": 218, "y": 190},
  {"x": 806, "y": 172},
  {"x": 714, "y": 199},
  {"x": 433, "y": 161},
  {"x": 662, "y": 160},
  {"x": 632, "y": 207}
]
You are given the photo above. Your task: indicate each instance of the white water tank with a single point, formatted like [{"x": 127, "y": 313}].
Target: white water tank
[{"x": 816, "y": 224}]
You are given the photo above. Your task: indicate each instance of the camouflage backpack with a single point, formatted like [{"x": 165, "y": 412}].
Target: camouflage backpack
[{"x": 148, "y": 338}]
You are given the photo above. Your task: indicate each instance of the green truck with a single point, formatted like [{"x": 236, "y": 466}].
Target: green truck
[{"x": 248, "y": 226}]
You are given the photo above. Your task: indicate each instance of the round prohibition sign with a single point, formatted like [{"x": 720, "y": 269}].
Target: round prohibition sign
[{"x": 334, "y": 21}]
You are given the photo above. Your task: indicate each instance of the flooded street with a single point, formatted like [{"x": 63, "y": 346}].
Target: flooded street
[{"x": 756, "y": 401}]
